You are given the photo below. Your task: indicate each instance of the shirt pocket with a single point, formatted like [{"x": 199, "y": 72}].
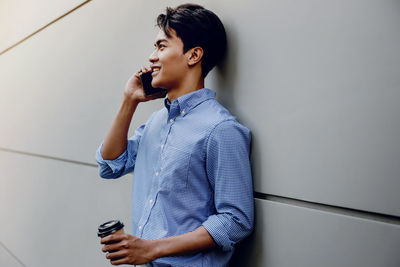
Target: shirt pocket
[{"x": 174, "y": 168}]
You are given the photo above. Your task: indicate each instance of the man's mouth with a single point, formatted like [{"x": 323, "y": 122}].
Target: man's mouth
[{"x": 156, "y": 69}]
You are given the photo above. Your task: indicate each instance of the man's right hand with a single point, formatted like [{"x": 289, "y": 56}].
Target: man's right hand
[
  {"x": 134, "y": 88},
  {"x": 116, "y": 140}
]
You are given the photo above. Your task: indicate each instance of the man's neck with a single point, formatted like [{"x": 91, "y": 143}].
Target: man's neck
[{"x": 185, "y": 88}]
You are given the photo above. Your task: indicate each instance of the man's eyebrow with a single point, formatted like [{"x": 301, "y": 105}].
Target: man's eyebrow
[{"x": 158, "y": 42}]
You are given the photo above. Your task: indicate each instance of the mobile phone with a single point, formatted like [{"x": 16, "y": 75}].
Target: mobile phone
[{"x": 146, "y": 81}]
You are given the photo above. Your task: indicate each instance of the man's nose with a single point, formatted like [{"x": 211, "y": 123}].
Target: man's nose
[{"x": 153, "y": 56}]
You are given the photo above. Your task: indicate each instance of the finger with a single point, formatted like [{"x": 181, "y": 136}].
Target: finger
[
  {"x": 138, "y": 73},
  {"x": 112, "y": 238},
  {"x": 120, "y": 261},
  {"x": 116, "y": 255},
  {"x": 159, "y": 95},
  {"x": 153, "y": 97},
  {"x": 110, "y": 247},
  {"x": 144, "y": 70}
]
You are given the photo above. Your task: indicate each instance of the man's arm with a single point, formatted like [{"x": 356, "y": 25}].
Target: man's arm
[
  {"x": 134, "y": 250},
  {"x": 229, "y": 174},
  {"x": 117, "y": 137},
  {"x": 116, "y": 140}
]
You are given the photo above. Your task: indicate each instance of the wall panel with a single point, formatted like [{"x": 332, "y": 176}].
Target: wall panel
[
  {"x": 20, "y": 18},
  {"x": 8, "y": 260},
  {"x": 52, "y": 210},
  {"x": 60, "y": 90},
  {"x": 288, "y": 235},
  {"x": 317, "y": 83}
]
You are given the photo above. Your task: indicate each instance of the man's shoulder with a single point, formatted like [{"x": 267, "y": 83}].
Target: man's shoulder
[
  {"x": 217, "y": 117},
  {"x": 207, "y": 115},
  {"x": 215, "y": 110}
]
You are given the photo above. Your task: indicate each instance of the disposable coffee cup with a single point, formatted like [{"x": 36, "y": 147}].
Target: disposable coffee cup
[{"x": 110, "y": 227}]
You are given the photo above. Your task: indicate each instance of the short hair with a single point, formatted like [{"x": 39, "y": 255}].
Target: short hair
[{"x": 196, "y": 26}]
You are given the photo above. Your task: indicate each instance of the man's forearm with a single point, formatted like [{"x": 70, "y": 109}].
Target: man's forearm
[
  {"x": 188, "y": 243},
  {"x": 116, "y": 139}
]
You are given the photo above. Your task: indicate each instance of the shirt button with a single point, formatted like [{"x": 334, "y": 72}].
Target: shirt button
[
  {"x": 151, "y": 201},
  {"x": 162, "y": 146},
  {"x": 140, "y": 227},
  {"x": 171, "y": 120},
  {"x": 183, "y": 112},
  {"x": 157, "y": 173}
]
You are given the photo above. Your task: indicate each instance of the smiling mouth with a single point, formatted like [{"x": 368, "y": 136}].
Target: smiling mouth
[{"x": 156, "y": 69}]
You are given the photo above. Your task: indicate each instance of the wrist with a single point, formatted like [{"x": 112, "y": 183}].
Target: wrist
[
  {"x": 130, "y": 100},
  {"x": 157, "y": 251}
]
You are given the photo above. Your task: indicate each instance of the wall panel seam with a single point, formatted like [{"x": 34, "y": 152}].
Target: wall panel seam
[
  {"x": 44, "y": 27},
  {"x": 390, "y": 219},
  {"x": 12, "y": 254},
  {"x": 48, "y": 157},
  {"x": 361, "y": 214}
]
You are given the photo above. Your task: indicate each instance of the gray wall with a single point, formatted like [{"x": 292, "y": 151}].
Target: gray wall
[{"x": 317, "y": 82}]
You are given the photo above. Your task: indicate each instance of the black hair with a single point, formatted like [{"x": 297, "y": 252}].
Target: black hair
[{"x": 196, "y": 26}]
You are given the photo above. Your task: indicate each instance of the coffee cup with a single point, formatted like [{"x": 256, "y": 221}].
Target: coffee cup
[{"x": 110, "y": 227}]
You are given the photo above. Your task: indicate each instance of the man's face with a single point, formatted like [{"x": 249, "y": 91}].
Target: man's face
[{"x": 169, "y": 63}]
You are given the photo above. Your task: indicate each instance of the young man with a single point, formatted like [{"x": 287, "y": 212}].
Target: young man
[{"x": 192, "y": 191}]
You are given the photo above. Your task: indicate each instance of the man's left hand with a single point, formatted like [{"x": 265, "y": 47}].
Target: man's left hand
[{"x": 128, "y": 249}]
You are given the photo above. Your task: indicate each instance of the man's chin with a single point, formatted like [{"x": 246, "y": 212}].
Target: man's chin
[{"x": 156, "y": 84}]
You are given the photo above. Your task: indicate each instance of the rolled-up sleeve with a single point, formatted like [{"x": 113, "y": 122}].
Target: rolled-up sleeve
[
  {"x": 229, "y": 174},
  {"x": 125, "y": 163}
]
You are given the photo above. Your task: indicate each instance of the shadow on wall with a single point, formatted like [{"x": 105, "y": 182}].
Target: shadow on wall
[
  {"x": 226, "y": 79},
  {"x": 227, "y": 84},
  {"x": 226, "y": 73},
  {"x": 253, "y": 251},
  {"x": 243, "y": 252}
]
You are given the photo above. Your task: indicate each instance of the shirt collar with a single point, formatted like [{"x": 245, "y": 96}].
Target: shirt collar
[
  {"x": 185, "y": 103},
  {"x": 167, "y": 103}
]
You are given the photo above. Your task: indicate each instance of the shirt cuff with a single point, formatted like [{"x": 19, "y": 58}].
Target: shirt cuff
[
  {"x": 115, "y": 164},
  {"x": 216, "y": 228}
]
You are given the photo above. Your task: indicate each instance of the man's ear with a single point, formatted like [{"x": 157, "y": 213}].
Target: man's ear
[{"x": 194, "y": 55}]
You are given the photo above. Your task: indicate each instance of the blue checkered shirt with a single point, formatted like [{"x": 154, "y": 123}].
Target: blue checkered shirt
[{"x": 191, "y": 168}]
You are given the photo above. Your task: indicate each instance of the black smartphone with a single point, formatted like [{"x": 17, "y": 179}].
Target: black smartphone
[{"x": 146, "y": 81}]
